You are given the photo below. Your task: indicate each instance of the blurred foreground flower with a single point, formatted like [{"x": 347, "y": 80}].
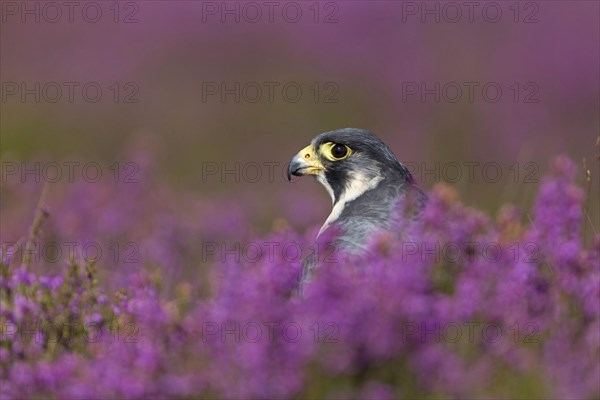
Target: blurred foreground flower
[{"x": 465, "y": 307}]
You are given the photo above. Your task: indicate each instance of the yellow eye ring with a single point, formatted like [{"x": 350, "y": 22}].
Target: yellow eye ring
[{"x": 335, "y": 151}]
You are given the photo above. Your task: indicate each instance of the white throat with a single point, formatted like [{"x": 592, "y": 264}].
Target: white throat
[{"x": 358, "y": 185}]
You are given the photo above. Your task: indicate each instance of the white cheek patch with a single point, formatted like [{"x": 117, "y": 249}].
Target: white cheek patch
[{"x": 359, "y": 184}]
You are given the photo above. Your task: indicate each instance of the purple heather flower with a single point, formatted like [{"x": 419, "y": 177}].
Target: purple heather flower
[
  {"x": 51, "y": 282},
  {"x": 21, "y": 276}
]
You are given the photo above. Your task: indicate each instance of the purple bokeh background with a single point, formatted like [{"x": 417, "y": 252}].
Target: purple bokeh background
[{"x": 371, "y": 51}]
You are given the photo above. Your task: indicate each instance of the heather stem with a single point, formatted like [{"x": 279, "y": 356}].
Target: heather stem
[
  {"x": 588, "y": 177},
  {"x": 41, "y": 213}
]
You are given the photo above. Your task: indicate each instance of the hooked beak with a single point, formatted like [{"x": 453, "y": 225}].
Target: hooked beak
[{"x": 304, "y": 163}]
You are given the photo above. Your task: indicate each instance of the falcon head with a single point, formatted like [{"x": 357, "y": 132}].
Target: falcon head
[{"x": 348, "y": 162}]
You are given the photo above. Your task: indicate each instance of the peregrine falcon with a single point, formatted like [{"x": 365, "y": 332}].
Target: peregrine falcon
[{"x": 365, "y": 182}]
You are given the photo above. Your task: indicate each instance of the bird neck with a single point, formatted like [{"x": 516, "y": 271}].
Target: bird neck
[{"x": 359, "y": 185}]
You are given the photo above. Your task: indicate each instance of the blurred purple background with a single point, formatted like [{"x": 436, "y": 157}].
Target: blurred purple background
[{"x": 373, "y": 65}]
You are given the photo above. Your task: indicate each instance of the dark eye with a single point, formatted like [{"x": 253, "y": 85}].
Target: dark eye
[{"x": 339, "y": 151}]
